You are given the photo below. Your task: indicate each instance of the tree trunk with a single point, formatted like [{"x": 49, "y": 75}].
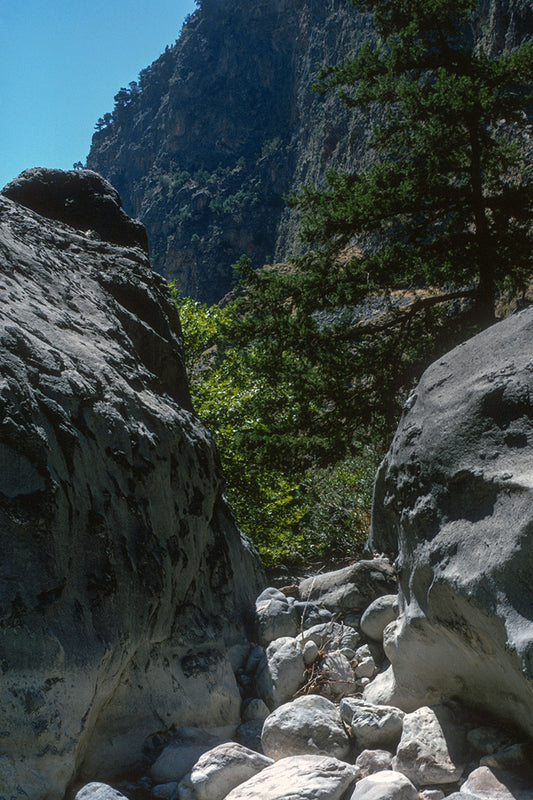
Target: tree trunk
[{"x": 484, "y": 297}]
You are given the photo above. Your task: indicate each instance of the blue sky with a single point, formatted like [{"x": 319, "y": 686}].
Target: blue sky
[{"x": 62, "y": 62}]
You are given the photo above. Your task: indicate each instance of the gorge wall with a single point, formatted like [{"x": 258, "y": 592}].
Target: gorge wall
[
  {"x": 224, "y": 123},
  {"x": 124, "y": 580}
]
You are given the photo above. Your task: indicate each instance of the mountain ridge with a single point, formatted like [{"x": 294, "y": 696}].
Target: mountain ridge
[{"x": 224, "y": 123}]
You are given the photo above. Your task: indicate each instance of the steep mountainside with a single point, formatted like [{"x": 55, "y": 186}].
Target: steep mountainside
[{"x": 203, "y": 148}]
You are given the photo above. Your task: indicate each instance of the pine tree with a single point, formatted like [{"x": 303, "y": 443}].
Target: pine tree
[
  {"x": 442, "y": 216},
  {"x": 448, "y": 201}
]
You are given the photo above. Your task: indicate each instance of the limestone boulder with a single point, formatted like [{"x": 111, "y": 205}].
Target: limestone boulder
[
  {"x": 124, "y": 579},
  {"x": 432, "y": 748},
  {"x": 310, "y": 724},
  {"x": 329, "y": 636},
  {"x": 274, "y": 617},
  {"x": 283, "y": 672},
  {"x": 373, "y": 727},
  {"x": 81, "y": 199},
  {"x": 370, "y": 761},
  {"x": 351, "y": 589},
  {"x": 378, "y": 615},
  {"x": 302, "y": 777},
  {"x": 336, "y": 676},
  {"x": 98, "y": 791},
  {"x": 486, "y": 784},
  {"x": 454, "y": 499},
  {"x": 221, "y": 769},
  {"x": 385, "y": 785}
]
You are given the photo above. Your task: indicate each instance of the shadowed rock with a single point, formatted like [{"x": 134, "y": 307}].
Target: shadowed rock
[
  {"x": 123, "y": 578},
  {"x": 82, "y": 199}
]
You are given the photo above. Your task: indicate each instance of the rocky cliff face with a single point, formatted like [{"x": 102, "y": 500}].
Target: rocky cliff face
[
  {"x": 224, "y": 123},
  {"x": 123, "y": 579}
]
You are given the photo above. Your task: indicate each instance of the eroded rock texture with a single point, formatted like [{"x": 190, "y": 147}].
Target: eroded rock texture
[
  {"x": 455, "y": 496},
  {"x": 123, "y": 578}
]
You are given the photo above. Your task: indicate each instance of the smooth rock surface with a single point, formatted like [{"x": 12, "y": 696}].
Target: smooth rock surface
[
  {"x": 310, "y": 724},
  {"x": 454, "y": 497},
  {"x": 275, "y": 617},
  {"x": 378, "y": 615},
  {"x": 432, "y": 748},
  {"x": 98, "y": 791},
  {"x": 283, "y": 674},
  {"x": 223, "y": 768},
  {"x": 352, "y": 588},
  {"x": 124, "y": 579},
  {"x": 304, "y": 777},
  {"x": 385, "y": 785}
]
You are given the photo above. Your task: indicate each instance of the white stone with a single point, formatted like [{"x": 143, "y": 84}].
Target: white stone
[
  {"x": 432, "y": 747},
  {"x": 485, "y": 784},
  {"x": 276, "y": 617},
  {"x": 338, "y": 675},
  {"x": 310, "y": 724},
  {"x": 331, "y": 636},
  {"x": 350, "y": 589},
  {"x": 304, "y": 777},
  {"x": 283, "y": 674},
  {"x": 455, "y": 494},
  {"x": 378, "y": 615},
  {"x": 371, "y": 725},
  {"x": 310, "y": 653},
  {"x": 385, "y": 785},
  {"x": 221, "y": 769},
  {"x": 370, "y": 761},
  {"x": 366, "y": 668},
  {"x": 98, "y": 791}
]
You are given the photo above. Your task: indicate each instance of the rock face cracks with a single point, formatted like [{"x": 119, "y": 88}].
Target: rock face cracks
[
  {"x": 123, "y": 579},
  {"x": 454, "y": 497}
]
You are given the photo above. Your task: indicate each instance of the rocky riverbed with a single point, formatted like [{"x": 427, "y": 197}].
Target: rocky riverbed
[{"x": 307, "y": 729}]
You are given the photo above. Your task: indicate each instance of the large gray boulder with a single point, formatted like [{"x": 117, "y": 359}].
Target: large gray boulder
[
  {"x": 82, "y": 199},
  {"x": 308, "y": 725},
  {"x": 351, "y": 589},
  {"x": 123, "y": 579},
  {"x": 304, "y": 777},
  {"x": 454, "y": 498}
]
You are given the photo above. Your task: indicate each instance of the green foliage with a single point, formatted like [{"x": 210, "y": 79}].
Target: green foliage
[
  {"x": 449, "y": 199},
  {"x": 339, "y": 499},
  {"x": 270, "y": 146},
  {"x": 404, "y": 259},
  {"x": 292, "y": 516},
  {"x": 235, "y": 204}
]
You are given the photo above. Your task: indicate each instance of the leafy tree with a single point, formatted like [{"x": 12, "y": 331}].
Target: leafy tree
[
  {"x": 291, "y": 515},
  {"x": 439, "y": 222}
]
